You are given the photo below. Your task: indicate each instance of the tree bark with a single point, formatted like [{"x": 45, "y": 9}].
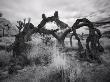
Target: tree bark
[
  {"x": 3, "y": 32},
  {"x": 71, "y": 39}
]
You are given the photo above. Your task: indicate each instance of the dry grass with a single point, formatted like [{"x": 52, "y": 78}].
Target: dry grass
[{"x": 76, "y": 71}]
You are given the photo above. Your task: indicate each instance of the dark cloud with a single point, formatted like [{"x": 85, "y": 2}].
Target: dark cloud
[
  {"x": 69, "y": 10},
  {"x": 102, "y": 4}
]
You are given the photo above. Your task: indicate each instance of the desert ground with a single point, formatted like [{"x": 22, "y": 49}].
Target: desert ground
[{"x": 55, "y": 65}]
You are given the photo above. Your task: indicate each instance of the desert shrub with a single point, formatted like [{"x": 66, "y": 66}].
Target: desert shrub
[
  {"x": 80, "y": 79},
  {"x": 43, "y": 60},
  {"x": 2, "y": 47},
  {"x": 4, "y": 58}
]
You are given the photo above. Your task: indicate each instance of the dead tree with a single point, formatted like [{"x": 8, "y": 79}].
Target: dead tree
[
  {"x": 20, "y": 25},
  {"x": 92, "y": 42},
  {"x": 62, "y": 25},
  {"x": 74, "y": 27},
  {"x": 8, "y": 28},
  {"x": 26, "y": 28},
  {"x": 29, "y": 29},
  {"x": 4, "y": 29},
  {"x": 82, "y": 36},
  {"x": 21, "y": 37},
  {"x": 93, "y": 38}
]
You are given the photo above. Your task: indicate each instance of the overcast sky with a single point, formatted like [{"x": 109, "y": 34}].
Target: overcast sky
[{"x": 69, "y": 10}]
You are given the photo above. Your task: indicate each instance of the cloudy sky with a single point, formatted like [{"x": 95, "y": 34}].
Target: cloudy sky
[{"x": 69, "y": 10}]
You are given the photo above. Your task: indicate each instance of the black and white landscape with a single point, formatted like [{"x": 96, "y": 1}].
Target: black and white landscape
[{"x": 36, "y": 42}]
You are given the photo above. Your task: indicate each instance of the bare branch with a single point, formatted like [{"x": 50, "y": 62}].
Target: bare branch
[{"x": 43, "y": 16}]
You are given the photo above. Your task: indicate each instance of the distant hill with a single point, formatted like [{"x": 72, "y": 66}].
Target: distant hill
[
  {"x": 107, "y": 32},
  {"x": 7, "y": 30},
  {"x": 104, "y": 19},
  {"x": 4, "y": 21}
]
